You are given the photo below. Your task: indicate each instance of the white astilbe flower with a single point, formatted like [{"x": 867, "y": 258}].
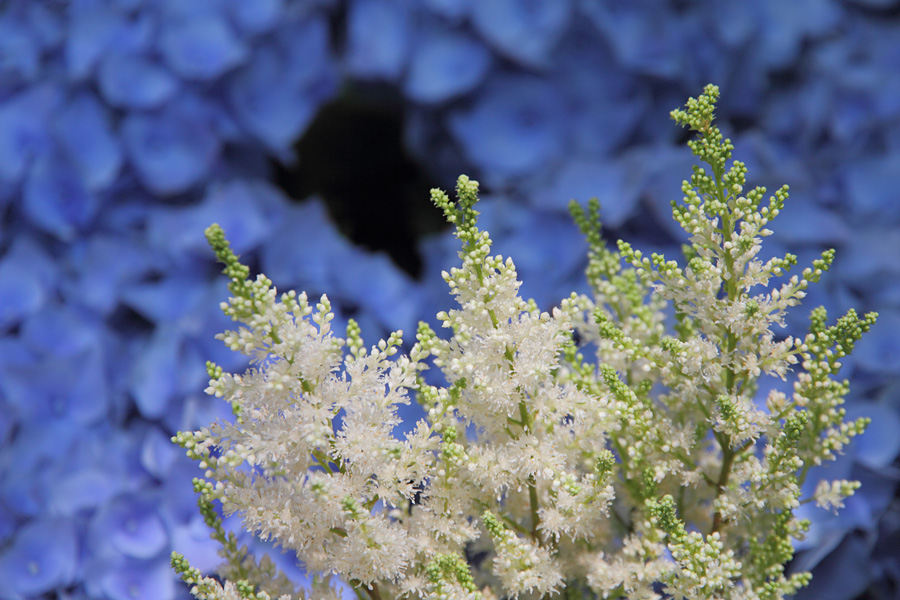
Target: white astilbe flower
[
  {"x": 520, "y": 565},
  {"x": 831, "y": 494},
  {"x": 612, "y": 444}
]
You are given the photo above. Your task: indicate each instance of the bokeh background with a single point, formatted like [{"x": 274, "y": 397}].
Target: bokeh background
[{"x": 312, "y": 131}]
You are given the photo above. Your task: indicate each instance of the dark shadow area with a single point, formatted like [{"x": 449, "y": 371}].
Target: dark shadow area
[{"x": 354, "y": 158}]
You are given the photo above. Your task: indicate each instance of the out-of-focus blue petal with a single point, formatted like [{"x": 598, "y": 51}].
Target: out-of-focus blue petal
[
  {"x": 787, "y": 24},
  {"x": 873, "y": 184},
  {"x": 514, "y": 126},
  {"x": 453, "y": 10},
  {"x": 172, "y": 150},
  {"x": 27, "y": 275},
  {"x": 8, "y": 524},
  {"x": 158, "y": 453},
  {"x": 46, "y": 23},
  {"x": 296, "y": 254},
  {"x": 445, "y": 64},
  {"x": 662, "y": 183},
  {"x": 378, "y": 38},
  {"x": 89, "y": 33},
  {"x": 60, "y": 331},
  {"x": 83, "y": 131},
  {"x": 880, "y": 444},
  {"x": 72, "y": 388},
  {"x": 152, "y": 383},
  {"x": 879, "y": 350},
  {"x": 57, "y": 200},
  {"x": 83, "y": 490},
  {"x": 42, "y": 558},
  {"x": 96, "y": 30},
  {"x": 103, "y": 265},
  {"x": 303, "y": 67},
  {"x": 255, "y": 17},
  {"x": 23, "y": 128},
  {"x": 614, "y": 182},
  {"x": 373, "y": 281},
  {"x": 524, "y": 30},
  {"x": 644, "y": 39},
  {"x": 547, "y": 251},
  {"x": 19, "y": 53},
  {"x": 167, "y": 300},
  {"x": 139, "y": 580},
  {"x": 132, "y": 80},
  {"x": 845, "y": 573},
  {"x": 193, "y": 542},
  {"x": 132, "y": 526},
  {"x": 246, "y": 210},
  {"x": 201, "y": 48},
  {"x": 802, "y": 222},
  {"x": 602, "y": 107},
  {"x": 179, "y": 503},
  {"x": 733, "y": 22},
  {"x": 871, "y": 259}
]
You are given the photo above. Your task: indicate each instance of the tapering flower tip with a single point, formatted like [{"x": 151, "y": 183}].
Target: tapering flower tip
[{"x": 700, "y": 111}]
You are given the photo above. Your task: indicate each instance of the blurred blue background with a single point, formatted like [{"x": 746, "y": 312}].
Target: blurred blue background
[{"x": 312, "y": 131}]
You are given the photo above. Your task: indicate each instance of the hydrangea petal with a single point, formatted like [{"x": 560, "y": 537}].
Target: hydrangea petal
[
  {"x": 524, "y": 30},
  {"x": 246, "y": 211},
  {"x": 57, "y": 200},
  {"x": 20, "y": 51},
  {"x": 292, "y": 263},
  {"x": 22, "y": 290},
  {"x": 880, "y": 444},
  {"x": 103, "y": 265},
  {"x": 614, "y": 183},
  {"x": 43, "y": 557},
  {"x": 139, "y": 580},
  {"x": 83, "y": 131},
  {"x": 23, "y": 128},
  {"x": 59, "y": 330},
  {"x": 374, "y": 281},
  {"x": 873, "y": 185},
  {"x": 514, "y": 126},
  {"x": 83, "y": 490},
  {"x": 166, "y": 300},
  {"x": 378, "y": 38},
  {"x": 152, "y": 384},
  {"x": 278, "y": 114},
  {"x": 445, "y": 64},
  {"x": 132, "y": 526},
  {"x": 158, "y": 453},
  {"x": 201, "y": 48},
  {"x": 134, "y": 81},
  {"x": 255, "y": 17},
  {"x": 879, "y": 349},
  {"x": 172, "y": 150}
]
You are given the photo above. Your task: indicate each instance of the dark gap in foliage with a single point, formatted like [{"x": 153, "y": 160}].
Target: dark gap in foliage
[{"x": 354, "y": 158}]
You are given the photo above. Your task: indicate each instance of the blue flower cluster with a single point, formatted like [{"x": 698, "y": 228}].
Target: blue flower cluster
[{"x": 128, "y": 126}]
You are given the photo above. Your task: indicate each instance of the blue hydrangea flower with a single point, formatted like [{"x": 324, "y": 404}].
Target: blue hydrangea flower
[
  {"x": 444, "y": 63},
  {"x": 42, "y": 558},
  {"x": 378, "y": 38},
  {"x": 513, "y": 127},
  {"x": 300, "y": 60},
  {"x": 524, "y": 30},
  {"x": 134, "y": 81},
  {"x": 56, "y": 198},
  {"x": 201, "y": 47},
  {"x": 24, "y": 133},
  {"x": 172, "y": 150},
  {"x": 85, "y": 134},
  {"x": 26, "y": 277}
]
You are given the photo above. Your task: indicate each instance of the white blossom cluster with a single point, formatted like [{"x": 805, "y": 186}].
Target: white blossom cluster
[{"x": 653, "y": 470}]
